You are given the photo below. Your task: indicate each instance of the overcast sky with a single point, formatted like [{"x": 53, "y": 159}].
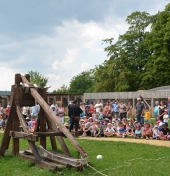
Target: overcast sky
[{"x": 61, "y": 38}]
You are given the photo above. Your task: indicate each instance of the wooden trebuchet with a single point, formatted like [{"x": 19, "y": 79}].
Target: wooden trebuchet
[{"x": 23, "y": 93}]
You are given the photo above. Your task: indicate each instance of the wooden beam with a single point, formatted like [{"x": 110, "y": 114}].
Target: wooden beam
[
  {"x": 17, "y": 78},
  {"x": 27, "y": 77},
  {"x": 45, "y": 134},
  {"x": 16, "y": 134},
  {"x": 52, "y": 138},
  {"x": 6, "y": 137},
  {"x": 42, "y": 117},
  {"x": 54, "y": 157},
  {"x": 54, "y": 120},
  {"x": 42, "y": 164},
  {"x": 26, "y": 130}
]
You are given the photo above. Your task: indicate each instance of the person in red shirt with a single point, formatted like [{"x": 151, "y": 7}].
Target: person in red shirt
[
  {"x": 91, "y": 110},
  {"x": 7, "y": 111}
]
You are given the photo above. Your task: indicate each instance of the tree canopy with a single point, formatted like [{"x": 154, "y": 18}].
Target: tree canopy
[{"x": 37, "y": 78}]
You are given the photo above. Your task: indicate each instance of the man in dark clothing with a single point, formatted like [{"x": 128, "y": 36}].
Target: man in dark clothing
[
  {"x": 74, "y": 111},
  {"x": 139, "y": 110}
]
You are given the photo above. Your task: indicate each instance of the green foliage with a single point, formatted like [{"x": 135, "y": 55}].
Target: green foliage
[
  {"x": 63, "y": 89},
  {"x": 127, "y": 57},
  {"x": 82, "y": 83},
  {"x": 37, "y": 78},
  {"x": 157, "y": 69}
]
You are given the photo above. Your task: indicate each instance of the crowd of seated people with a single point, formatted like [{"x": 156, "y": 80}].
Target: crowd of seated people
[{"x": 115, "y": 119}]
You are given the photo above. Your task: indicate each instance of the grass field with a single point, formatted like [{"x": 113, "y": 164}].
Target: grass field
[{"x": 114, "y": 154}]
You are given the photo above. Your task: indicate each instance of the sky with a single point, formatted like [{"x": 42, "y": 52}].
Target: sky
[{"x": 60, "y": 39}]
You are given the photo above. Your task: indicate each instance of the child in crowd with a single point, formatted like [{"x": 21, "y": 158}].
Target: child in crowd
[
  {"x": 147, "y": 115},
  {"x": 156, "y": 133},
  {"x": 81, "y": 124},
  {"x": 101, "y": 115},
  {"x": 121, "y": 131},
  {"x": 147, "y": 131},
  {"x": 86, "y": 129},
  {"x": 94, "y": 130},
  {"x": 165, "y": 116},
  {"x": 99, "y": 132},
  {"x": 124, "y": 122},
  {"x": 138, "y": 131},
  {"x": 94, "y": 115},
  {"x": 115, "y": 118},
  {"x": 109, "y": 131},
  {"x": 33, "y": 124},
  {"x": 164, "y": 134}
]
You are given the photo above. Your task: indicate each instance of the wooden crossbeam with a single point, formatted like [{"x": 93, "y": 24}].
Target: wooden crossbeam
[
  {"x": 45, "y": 134},
  {"x": 56, "y": 121},
  {"x": 30, "y": 137}
]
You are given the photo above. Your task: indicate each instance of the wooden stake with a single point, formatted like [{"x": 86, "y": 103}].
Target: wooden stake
[{"x": 6, "y": 137}]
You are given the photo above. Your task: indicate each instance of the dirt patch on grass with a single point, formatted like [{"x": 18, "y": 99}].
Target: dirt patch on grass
[{"x": 141, "y": 141}]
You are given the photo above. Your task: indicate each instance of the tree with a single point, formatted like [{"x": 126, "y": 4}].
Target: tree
[
  {"x": 63, "y": 89},
  {"x": 82, "y": 83},
  {"x": 157, "y": 69},
  {"x": 37, "y": 78},
  {"x": 127, "y": 57}
]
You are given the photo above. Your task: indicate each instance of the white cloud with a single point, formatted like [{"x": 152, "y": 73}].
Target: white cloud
[
  {"x": 85, "y": 66},
  {"x": 6, "y": 78}
]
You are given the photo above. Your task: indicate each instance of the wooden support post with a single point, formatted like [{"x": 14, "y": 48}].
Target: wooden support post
[
  {"x": 52, "y": 138},
  {"x": 17, "y": 79},
  {"x": 15, "y": 125},
  {"x": 6, "y": 137},
  {"x": 56, "y": 122},
  {"x": 42, "y": 118}
]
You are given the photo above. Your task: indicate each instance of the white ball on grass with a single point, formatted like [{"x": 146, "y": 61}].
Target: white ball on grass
[{"x": 99, "y": 157}]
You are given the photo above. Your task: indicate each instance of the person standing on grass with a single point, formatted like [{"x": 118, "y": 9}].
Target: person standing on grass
[
  {"x": 166, "y": 116},
  {"x": 161, "y": 111},
  {"x": 98, "y": 107},
  {"x": 35, "y": 110},
  {"x": 122, "y": 110},
  {"x": 61, "y": 113},
  {"x": 156, "y": 110},
  {"x": 139, "y": 109},
  {"x": 54, "y": 107},
  {"x": 114, "y": 105},
  {"x": 74, "y": 114},
  {"x": 147, "y": 115},
  {"x": 129, "y": 110}
]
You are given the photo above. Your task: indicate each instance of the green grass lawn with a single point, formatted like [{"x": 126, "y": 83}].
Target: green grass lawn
[{"x": 114, "y": 154}]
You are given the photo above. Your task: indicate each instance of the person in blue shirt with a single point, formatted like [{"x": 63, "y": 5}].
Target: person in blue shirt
[
  {"x": 114, "y": 104},
  {"x": 122, "y": 131}
]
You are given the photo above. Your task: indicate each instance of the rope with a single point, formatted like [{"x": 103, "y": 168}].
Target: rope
[{"x": 127, "y": 162}]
